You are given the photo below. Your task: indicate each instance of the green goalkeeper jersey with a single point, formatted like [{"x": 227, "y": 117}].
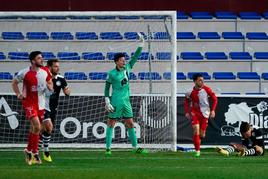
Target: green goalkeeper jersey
[{"x": 119, "y": 79}]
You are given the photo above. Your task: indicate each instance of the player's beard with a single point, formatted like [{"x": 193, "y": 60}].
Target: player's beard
[{"x": 38, "y": 65}]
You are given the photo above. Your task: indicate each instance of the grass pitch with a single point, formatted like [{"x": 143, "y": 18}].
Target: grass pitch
[{"x": 94, "y": 164}]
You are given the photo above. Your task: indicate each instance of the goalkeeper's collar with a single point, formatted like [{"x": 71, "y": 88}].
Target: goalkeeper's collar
[{"x": 122, "y": 69}]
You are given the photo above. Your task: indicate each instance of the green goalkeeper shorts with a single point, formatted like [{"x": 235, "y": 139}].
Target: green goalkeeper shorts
[{"x": 122, "y": 109}]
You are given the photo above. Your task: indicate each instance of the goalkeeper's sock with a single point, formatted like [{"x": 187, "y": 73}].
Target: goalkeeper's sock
[
  {"x": 35, "y": 141},
  {"x": 230, "y": 149},
  {"x": 132, "y": 136},
  {"x": 196, "y": 139},
  {"x": 109, "y": 137},
  {"x": 250, "y": 152},
  {"x": 46, "y": 139},
  {"x": 29, "y": 145}
]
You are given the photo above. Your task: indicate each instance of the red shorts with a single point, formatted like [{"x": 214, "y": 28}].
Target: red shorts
[
  {"x": 33, "y": 111},
  {"x": 198, "y": 118}
]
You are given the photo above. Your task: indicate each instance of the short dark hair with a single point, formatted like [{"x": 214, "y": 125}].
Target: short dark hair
[
  {"x": 33, "y": 54},
  {"x": 118, "y": 55},
  {"x": 244, "y": 127},
  {"x": 51, "y": 61},
  {"x": 197, "y": 75}
]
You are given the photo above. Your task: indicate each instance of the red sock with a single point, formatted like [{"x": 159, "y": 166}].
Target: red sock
[
  {"x": 29, "y": 146},
  {"x": 35, "y": 141},
  {"x": 197, "y": 142}
]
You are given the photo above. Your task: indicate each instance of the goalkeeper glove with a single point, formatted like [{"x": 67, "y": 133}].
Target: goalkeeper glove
[
  {"x": 141, "y": 40},
  {"x": 108, "y": 106}
]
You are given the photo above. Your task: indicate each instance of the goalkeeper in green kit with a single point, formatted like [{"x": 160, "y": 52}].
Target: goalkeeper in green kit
[{"x": 118, "y": 105}]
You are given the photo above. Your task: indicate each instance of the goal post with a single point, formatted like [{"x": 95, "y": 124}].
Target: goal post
[{"x": 154, "y": 94}]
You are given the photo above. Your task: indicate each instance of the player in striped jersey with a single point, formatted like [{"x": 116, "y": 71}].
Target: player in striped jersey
[{"x": 252, "y": 142}]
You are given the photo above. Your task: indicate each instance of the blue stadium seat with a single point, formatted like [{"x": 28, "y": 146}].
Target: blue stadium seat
[
  {"x": 48, "y": 55},
  {"x": 110, "y": 55},
  {"x": 97, "y": 75},
  {"x": 2, "y": 56},
  {"x": 182, "y": 15},
  {"x": 93, "y": 56},
  {"x": 68, "y": 56},
  {"x": 240, "y": 56},
  {"x": 5, "y": 76},
  {"x": 161, "y": 35},
  {"x": 37, "y": 36},
  {"x": 131, "y": 35},
  {"x": 111, "y": 36},
  {"x": 250, "y": 15},
  {"x": 216, "y": 56},
  {"x": 9, "y": 17},
  {"x": 185, "y": 35},
  {"x": 104, "y": 17},
  {"x": 144, "y": 56},
  {"x": 163, "y": 55},
  {"x": 201, "y": 15},
  {"x": 79, "y": 17},
  {"x": 18, "y": 55},
  {"x": 232, "y": 35},
  {"x": 180, "y": 76},
  {"x": 154, "y": 17},
  {"x": 224, "y": 76},
  {"x": 129, "y": 17},
  {"x": 56, "y": 17},
  {"x": 231, "y": 93},
  {"x": 205, "y": 75},
  {"x": 12, "y": 36},
  {"x": 265, "y": 15},
  {"x": 248, "y": 75},
  {"x": 209, "y": 35},
  {"x": 261, "y": 55},
  {"x": 132, "y": 76},
  {"x": 225, "y": 15},
  {"x": 86, "y": 36},
  {"x": 191, "y": 56},
  {"x": 264, "y": 76},
  {"x": 75, "y": 76},
  {"x": 148, "y": 76},
  {"x": 257, "y": 36},
  {"x": 254, "y": 93},
  {"x": 31, "y": 17},
  {"x": 62, "y": 36}
]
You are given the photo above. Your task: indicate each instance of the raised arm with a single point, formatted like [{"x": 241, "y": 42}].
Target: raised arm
[{"x": 138, "y": 51}]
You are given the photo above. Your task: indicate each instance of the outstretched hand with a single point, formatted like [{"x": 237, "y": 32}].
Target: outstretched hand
[{"x": 141, "y": 39}]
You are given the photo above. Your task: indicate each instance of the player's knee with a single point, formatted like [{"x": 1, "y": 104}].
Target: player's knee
[
  {"x": 130, "y": 125},
  {"x": 36, "y": 128},
  {"x": 258, "y": 150},
  {"x": 111, "y": 123}
]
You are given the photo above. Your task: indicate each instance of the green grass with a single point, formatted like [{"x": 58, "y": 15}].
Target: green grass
[{"x": 93, "y": 164}]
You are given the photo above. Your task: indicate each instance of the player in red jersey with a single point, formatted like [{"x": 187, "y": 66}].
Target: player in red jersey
[
  {"x": 36, "y": 79},
  {"x": 197, "y": 108}
]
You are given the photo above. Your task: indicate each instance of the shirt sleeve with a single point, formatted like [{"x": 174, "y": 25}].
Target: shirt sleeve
[
  {"x": 20, "y": 76},
  {"x": 187, "y": 103},
  {"x": 49, "y": 75},
  {"x": 213, "y": 97},
  {"x": 259, "y": 138},
  {"x": 135, "y": 57},
  {"x": 64, "y": 83},
  {"x": 107, "y": 85}
]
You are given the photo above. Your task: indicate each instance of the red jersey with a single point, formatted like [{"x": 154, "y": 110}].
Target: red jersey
[
  {"x": 34, "y": 85},
  {"x": 197, "y": 101}
]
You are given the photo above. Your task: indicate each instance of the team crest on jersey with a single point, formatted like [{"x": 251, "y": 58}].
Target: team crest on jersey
[{"x": 58, "y": 83}]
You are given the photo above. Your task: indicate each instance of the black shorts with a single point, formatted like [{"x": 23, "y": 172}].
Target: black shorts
[{"x": 50, "y": 115}]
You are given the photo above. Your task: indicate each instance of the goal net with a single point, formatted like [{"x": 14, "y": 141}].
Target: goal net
[{"x": 85, "y": 43}]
